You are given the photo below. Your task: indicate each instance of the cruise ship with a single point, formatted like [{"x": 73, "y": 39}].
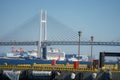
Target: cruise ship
[{"x": 55, "y": 54}]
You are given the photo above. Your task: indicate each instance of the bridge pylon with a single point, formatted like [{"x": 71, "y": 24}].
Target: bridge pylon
[{"x": 42, "y": 35}]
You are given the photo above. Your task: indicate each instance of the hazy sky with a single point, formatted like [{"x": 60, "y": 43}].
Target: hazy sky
[{"x": 99, "y": 18}]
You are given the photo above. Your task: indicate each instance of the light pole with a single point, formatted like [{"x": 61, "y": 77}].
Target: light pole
[
  {"x": 92, "y": 48},
  {"x": 79, "y": 34}
]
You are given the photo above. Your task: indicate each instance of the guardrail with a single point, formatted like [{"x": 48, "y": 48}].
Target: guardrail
[{"x": 57, "y": 67}]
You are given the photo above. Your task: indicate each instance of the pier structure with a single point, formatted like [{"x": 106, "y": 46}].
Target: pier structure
[{"x": 43, "y": 71}]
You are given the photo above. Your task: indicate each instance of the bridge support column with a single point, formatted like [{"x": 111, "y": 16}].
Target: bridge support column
[
  {"x": 42, "y": 34},
  {"x": 102, "y": 55},
  {"x": 44, "y": 52},
  {"x": 39, "y": 54}
]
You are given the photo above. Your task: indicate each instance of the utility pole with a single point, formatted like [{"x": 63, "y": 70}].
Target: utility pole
[{"x": 79, "y": 34}]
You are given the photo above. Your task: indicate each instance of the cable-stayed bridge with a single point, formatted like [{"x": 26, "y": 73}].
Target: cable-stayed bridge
[{"x": 56, "y": 34}]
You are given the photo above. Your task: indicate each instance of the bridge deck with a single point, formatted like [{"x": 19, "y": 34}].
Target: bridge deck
[{"x": 48, "y": 43}]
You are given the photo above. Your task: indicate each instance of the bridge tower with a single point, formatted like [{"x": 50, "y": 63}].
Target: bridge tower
[{"x": 42, "y": 35}]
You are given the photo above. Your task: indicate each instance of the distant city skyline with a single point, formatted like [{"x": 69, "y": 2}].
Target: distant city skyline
[{"x": 100, "y": 19}]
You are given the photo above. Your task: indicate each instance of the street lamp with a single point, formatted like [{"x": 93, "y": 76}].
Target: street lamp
[
  {"x": 79, "y": 34},
  {"x": 92, "y": 48}
]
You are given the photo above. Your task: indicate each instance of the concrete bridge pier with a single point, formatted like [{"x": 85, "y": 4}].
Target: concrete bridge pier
[{"x": 44, "y": 56}]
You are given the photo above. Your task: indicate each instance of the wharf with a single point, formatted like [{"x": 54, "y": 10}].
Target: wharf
[{"x": 56, "y": 72}]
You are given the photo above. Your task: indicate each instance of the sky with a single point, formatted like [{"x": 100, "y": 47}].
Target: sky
[{"x": 98, "y": 18}]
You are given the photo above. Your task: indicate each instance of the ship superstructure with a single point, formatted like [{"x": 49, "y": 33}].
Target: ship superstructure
[{"x": 55, "y": 54}]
